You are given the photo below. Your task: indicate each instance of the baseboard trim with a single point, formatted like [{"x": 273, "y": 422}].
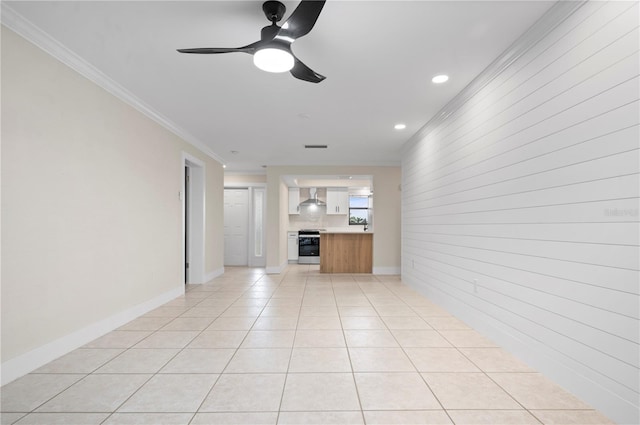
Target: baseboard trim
[
  {"x": 30, "y": 361},
  {"x": 212, "y": 275},
  {"x": 277, "y": 269},
  {"x": 386, "y": 270}
]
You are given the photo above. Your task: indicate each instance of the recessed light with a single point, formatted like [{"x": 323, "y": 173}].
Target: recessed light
[
  {"x": 224, "y": 165},
  {"x": 439, "y": 79},
  {"x": 400, "y": 126}
]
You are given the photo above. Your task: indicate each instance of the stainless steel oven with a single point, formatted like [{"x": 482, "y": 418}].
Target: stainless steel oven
[{"x": 309, "y": 246}]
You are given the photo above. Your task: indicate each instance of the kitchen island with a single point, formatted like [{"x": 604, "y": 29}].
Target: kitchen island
[{"x": 346, "y": 252}]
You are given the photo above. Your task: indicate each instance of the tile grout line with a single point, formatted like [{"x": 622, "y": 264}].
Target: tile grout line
[
  {"x": 452, "y": 346},
  {"x": 353, "y": 374},
  {"x": 295, "y": 333},
  {"x": 180, "y": 350},
  {"x": 411, "y": 361},
  {"x": 86, "y": 374},
  {"x": 230, "y": 358},
  {"x": 485, "y": 373},
  {"x": 478, "y": 367}
]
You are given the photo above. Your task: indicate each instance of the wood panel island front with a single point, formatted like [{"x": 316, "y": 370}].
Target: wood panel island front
[{"x": 346, "y": 252}]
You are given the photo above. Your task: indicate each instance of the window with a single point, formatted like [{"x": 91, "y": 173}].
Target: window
[
  {"x": 258, "y": 200},
  {"x": 358, "y": 209}
]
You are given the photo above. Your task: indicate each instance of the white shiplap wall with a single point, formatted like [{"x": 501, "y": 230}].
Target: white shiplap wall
[{"x": 529, "y": 185}]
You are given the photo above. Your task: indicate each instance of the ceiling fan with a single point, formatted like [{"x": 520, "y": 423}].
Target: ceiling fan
[{"x": 272, "y": 52}]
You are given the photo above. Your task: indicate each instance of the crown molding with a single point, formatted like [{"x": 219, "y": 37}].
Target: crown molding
[
  {"x": 559, "y": 12},
  {"x": 26, "y": 29}
]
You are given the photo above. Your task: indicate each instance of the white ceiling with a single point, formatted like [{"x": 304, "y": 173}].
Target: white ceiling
[{"x": 378, "y": 57}]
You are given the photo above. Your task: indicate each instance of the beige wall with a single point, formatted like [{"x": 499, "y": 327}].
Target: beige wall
[
  {"x": 91, "y": 217},
  {"x": 214, "y": 212},
  {"x": 386, "y": 209},
  {"x": 248, "y": 179}
]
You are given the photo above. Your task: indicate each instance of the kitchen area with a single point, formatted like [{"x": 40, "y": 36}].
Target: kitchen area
[
  {"x": 286, "y": 187},
  {"x": 331, "y": 223}
]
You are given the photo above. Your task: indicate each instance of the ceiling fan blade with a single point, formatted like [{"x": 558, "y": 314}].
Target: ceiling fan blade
[
  {"x": 211, "y": 50},
  {"x": 302, "y": 19},
  {"x": 303, "y": 72},
  {"x": 249, "y": 48}
]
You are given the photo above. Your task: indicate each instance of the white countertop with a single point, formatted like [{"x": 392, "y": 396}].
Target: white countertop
[
  {"x": 347, "y": 231},
  {"x": 350, "y": 229}
]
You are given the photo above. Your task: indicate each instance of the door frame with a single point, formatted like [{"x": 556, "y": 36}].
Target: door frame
[
  {"x": 253, "y": 261},
  {"x": 196, "y": 209}
]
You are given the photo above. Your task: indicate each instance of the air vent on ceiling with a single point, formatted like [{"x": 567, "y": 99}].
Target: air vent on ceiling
[{"x": 315, "y": 146}]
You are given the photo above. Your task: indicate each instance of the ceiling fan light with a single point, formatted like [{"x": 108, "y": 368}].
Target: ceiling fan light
[{"x": 273, "y": 60}]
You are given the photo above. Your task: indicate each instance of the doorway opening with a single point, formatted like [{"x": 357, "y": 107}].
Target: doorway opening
[{"x": 193, "y": 213}]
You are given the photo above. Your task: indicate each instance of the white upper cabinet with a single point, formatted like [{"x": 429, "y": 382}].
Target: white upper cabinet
[
  {"x": 337, "y": 200},
  {"x": 294, "y": 200}
]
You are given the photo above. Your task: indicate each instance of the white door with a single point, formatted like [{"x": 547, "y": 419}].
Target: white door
[{"x": 236, "y": 227}]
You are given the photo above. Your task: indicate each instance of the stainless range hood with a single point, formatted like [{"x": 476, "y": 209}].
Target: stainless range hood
[{"x": 313, "y": 199}]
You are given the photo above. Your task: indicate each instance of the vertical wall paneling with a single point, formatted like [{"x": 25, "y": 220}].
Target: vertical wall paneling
[{"x": 528, "y": 184}]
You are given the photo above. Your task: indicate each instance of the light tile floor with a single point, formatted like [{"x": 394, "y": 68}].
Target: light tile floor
[{"x": 295, "y": 348}]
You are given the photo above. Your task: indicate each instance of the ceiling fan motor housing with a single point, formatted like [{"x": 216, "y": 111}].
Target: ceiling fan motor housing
[
  {"x": 269, "y": 32},
  {"x": 273, "y": 10}
]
